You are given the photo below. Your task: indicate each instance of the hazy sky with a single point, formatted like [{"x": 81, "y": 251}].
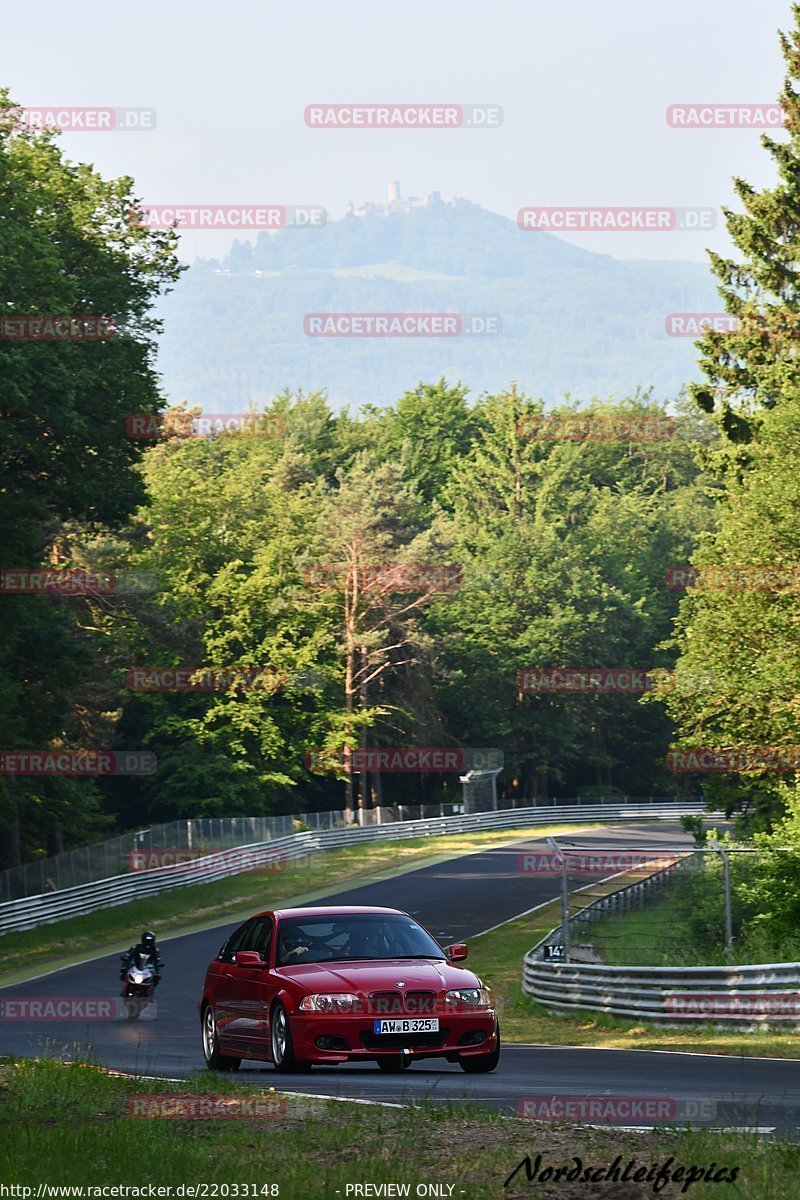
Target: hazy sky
[{"x": 584, "y": 88}]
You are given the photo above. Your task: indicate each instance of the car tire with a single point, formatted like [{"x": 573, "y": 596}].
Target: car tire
[
  {"x": 214, "y": 1060},
  {"x": 394, "y": 1065},
  {"x": 483, "y": 1063},
  {"x": 283, "y": 1057}
]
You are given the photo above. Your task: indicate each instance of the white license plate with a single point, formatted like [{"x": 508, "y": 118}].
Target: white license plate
[{"x": 420, "y": 1025}]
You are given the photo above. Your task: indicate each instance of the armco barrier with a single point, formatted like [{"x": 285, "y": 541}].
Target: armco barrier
[
  {"x": 738, "y": 997},
  {"x": 31, "y": 911},
  {"x": 206, "y": 835}
]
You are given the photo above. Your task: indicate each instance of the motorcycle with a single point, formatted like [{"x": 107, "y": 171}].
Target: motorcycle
[{"x": 139, "y": 983}]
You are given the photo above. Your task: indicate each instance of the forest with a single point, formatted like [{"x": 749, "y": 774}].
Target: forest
[{"x": 243, "y": 612}]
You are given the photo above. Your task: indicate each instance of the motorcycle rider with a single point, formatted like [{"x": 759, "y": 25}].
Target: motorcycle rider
[{"x": 148, "y": 947}]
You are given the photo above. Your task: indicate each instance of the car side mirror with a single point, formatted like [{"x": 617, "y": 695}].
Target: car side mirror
[
  {"x": 248, "y": 958},
  {"x": 456, "y": 952}
]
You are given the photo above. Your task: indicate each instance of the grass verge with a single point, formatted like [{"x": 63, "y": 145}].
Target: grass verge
[
  {"x": 73, "y": 1126},
  {"x": 204, "y": 906},
  {"x": 652, "y": 935}
]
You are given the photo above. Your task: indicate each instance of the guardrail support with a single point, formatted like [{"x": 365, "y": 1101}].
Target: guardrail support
[
  {"x": 726, "y": 874},
  {"x": 553, "y": 844}
]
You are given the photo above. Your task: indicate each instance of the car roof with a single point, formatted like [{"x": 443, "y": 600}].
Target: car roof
[{"x": 334, "y": 910}]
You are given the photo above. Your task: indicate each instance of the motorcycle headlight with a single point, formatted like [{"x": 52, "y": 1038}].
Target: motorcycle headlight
[
  {"x": 469, "y": 998},
  {"x": 138, "y": 977},
  {"x": 331, "y": 1002}
]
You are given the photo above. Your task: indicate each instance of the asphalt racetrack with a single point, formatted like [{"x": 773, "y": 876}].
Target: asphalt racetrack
[{"x": 455, "y": 899}]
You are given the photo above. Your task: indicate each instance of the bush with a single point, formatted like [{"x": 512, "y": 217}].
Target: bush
[{"x": 694, "y": 826}]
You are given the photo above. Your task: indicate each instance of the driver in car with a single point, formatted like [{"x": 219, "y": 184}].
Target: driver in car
[
  {"x": 299, "y": 946},
  {"x": 364, "y": 943},
  {"x": 292, "y": 950}
]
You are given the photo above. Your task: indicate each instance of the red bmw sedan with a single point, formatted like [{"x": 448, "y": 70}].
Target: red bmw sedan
[{"x": 335, "y": 985}]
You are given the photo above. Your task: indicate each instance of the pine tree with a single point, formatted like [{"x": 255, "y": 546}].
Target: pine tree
[{"x": 748, "y": 370}]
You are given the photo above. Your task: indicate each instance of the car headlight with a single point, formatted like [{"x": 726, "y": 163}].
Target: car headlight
[
  {"x": 469, "y": 998},
  {"x": 331, "y": 1002}
]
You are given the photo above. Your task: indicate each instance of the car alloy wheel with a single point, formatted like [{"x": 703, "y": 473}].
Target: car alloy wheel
[
  {"x": 214, "y": 1060},
  {"x": 281, "y": 1039}
]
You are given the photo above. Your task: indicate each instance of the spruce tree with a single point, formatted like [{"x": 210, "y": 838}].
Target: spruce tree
[{"x": 748, "y": 370}]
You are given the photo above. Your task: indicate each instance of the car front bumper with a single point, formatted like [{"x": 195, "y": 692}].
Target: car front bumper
[{"x": 349, "y": 1038}]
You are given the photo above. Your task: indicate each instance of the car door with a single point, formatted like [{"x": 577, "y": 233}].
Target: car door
[
  {"x": 249, "y": 1025},
  {"x": 226, "y": 982}
]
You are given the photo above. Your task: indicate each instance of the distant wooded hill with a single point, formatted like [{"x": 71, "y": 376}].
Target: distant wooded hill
[{"x": 572, "y": 320}]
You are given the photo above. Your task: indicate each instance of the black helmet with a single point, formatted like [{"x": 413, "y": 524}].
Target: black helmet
[{"x": 148, "y": 938}]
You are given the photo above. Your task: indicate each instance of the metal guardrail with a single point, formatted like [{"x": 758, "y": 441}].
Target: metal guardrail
[
  {"x": 46, "y": 908},
  {"x": 738, "y": 997},
  {"x": 187, "y": 837},
  {"x": 205, "y": 835}
]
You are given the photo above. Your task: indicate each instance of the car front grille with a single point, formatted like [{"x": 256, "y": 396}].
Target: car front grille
[{"x": 390, "y": 1004}]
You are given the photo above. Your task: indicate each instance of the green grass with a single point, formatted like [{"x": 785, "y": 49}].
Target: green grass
[
  {"x": 652, "y": 936},
  {"x": 683, "y": 927},
  {"x": 204, "y": 906},
  {"x": 70, "y": 1125}
]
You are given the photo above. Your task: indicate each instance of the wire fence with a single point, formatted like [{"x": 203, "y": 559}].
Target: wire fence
[
  {"x": 704, "y": 907},
  {"x": 31, "y": 911},
  {"x": 745, "y": 996},
  {"x": 140, "y": 849}
]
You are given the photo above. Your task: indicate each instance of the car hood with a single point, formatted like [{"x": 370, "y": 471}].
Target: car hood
[{"x": 369, "y": 976}]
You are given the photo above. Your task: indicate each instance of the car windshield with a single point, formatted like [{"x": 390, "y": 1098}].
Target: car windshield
[{"x": 351, "y": 937}]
